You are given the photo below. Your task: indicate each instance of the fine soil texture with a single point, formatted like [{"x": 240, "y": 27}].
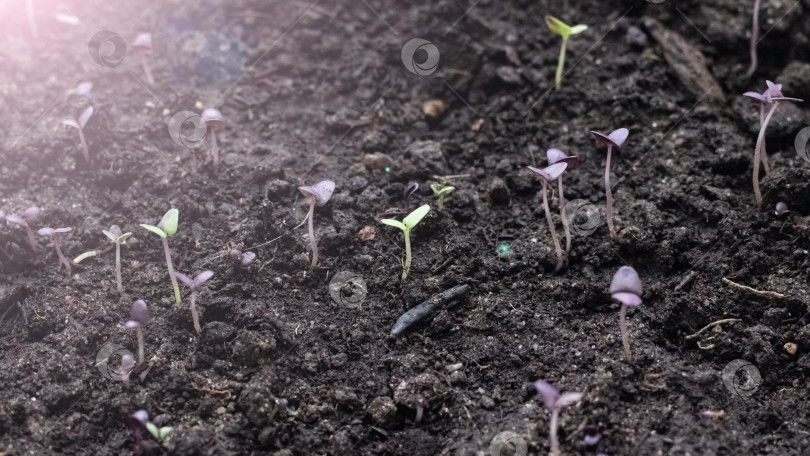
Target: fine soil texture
[{"x": 336, "y": 90}]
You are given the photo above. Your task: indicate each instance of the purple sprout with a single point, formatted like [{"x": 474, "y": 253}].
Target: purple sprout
[
  {"x": 782, "y": 210},
  {"x": 213, "y": 120},
  {"x": 195, "y": 285},
  {"x": 615, "y": 139},
  {"x": 79, "y": 125},
  {"x": 549, "y": 174},
  {"x": 320, "y": 194},
  {"x": 143, "y": 47},
  {"x": 763, "y": 105},
  {"x": 410, "y": 189},
  {"x": 626, "y": 288},
  {"x": 554, "y": 402},
  {"x": 28, "y": 217},
  {"x": 116, "y": 236},
  {"x": 55, "y": 234},
  {"x": 138, "y": 315},
  {"x": 557, "y": 156},
  {"x": 241, "y": 260},
  {"x": 770, "y": 97}
]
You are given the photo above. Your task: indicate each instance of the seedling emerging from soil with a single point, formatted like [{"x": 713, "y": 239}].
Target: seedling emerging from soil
[
  {"x": 406, "y": 225},
  {"x": 561, "y": 28},
  {"x": 143, "y": 47},
  {"x": 138, "y": 315},
  {"x": 615, "y": 139},
  {"x": 55, "y": 234},
  {"x": 213, "y": 120},
  {"x": 167, "y": 227},
  {"x": 241, "y": 260},
  {"x": 557, "y": 156},
  {"x": 626, "y": 288},
  {"x": 549, "y": 174},
  {"x": 554, "y": 402},
  {"x": 195, "y": 285},
  {"x": 159, "y": 434},
  {"x": 442, "y": 193},
  {"x": 28, "y": 217},
  {"x": 320, "y": 194},
  {"x": 79, "y": 125},
  {"x": 754, "y": 39},
  {"x": 127, "y": 364},
  {"x": 118, "y": 238},
  {"x": 782, "y": 210},
  {"x": 410, "y": 189},
  {"x": 773, "y": 96},
  {"x": 763, "y": 105}
]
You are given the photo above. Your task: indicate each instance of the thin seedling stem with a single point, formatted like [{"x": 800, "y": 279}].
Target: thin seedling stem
[
  {"x": 171, "y": 270},
  {"x": 564, "y": 220},
  {"x": 194, "y": 312},
  {"x": 551, "y": 228},
  {"x": 609, "y": 195},
  {"x": 313, "y": 244},
  {"x": 758, "y": 150}
]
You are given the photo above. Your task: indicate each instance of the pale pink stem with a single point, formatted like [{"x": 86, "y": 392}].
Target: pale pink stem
[
  {"x": 214, "y": 150},
  {"x": 552, "y": 432},
  {"x": 564, "y": 220},
  {"x": 758, "y": 150},
  {"x": 754, "y": 39},
  {"x": 146, "y": 69},
  {"x": 118, "y": 267},
  {"x": 140, "y": 345},
  {"x": 85, "y": 149},
  {"x": 31, "y": 239},
  {"x": 765, "y": 163},
  {"x": 194, "y": 312},
  {"x": 171, "y": 270},
  {"x": 554, "y": 236},
  {"x": 609, "y": 196},
  {"x": 62, "y": 259},
  {"x": 625, "y": 337},
  {"x": 313, "y": 243}
]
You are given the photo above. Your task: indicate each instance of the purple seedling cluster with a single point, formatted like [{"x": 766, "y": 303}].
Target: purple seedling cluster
[
  {"x": 212, "y": 119},
  {"x": 79, "y": 125},
  {"x": 318, "y": 194},
  {"x": 770, "y": 98},
  {"x": 26, "y": 220},
  {"x": 555, "y": 401},
  {"x": 240, "y": 259},
  {"x": 55, "y": 234},
  {"x": 616, "y": 139},
  {"x": 626, "y": 288},
  {"x": 138, "y": 316},
  {"x": 548, "y": 174},
  {"x": 195, "y": 285}
]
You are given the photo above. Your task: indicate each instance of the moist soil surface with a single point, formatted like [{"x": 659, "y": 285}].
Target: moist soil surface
[{"x": 315, "y": 91}]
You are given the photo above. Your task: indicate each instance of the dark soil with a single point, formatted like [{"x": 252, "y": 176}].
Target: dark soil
[{"x": 309, "y": 92}]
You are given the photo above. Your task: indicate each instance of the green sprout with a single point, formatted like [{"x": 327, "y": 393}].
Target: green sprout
[
  {"x": 158, "y": 433},
  {"x": 167, "y": 227},
  {"x": 406, "y": 225},
  {"x": 561, "y": 28},
  {"x": 442, "y": 193}
]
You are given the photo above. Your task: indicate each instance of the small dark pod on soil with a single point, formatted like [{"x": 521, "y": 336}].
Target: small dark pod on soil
[{"x": 423, "y": 310}]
